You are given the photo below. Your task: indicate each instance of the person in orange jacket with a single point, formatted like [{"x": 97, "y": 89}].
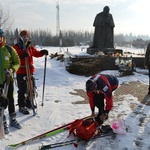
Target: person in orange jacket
[
  {"x": 100, "y": 87},
  {"x": 25, "y": 50}
]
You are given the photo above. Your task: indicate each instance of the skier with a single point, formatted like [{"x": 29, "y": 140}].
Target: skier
[
  {"x": 9, "y": 59},
  {"x": 21, "y": 74},
  {"x": 100, "y": 87}
]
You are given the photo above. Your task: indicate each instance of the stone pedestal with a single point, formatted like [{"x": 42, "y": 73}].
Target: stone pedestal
[
  {"x": 92, "y": 51},
  {"x": 106, "y": 51}
]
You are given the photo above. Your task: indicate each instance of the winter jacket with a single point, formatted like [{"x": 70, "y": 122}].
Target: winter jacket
[
  {"x": 147, "y": 56},
  {"x": 8, "y": 60},
  {"x": 105, "y": 85},
  {"x": 32, "y": 51}
]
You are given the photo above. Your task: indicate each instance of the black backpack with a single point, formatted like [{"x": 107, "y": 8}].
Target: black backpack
[{"x": 9, "y": 49}]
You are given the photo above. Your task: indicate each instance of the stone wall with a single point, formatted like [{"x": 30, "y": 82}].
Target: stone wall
[
  {"x": 109, "y": 62},
  {"x": 139, "y": 61},
  {"x": 90, "y": 65}
]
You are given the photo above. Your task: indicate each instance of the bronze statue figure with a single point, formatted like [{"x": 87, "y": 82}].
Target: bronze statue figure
[{"x": 104, "y": 30}]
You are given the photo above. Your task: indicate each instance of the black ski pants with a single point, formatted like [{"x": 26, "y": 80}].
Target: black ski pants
[
  {"x": 10, "y": 96},
  {"x": 99, "y": 103},
  {"x": 22, "y": 89}
]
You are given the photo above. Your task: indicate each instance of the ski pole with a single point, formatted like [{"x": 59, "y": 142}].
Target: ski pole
[
  {"x": 44, "y": 80},
  {"x": 46, "y": 134},
  {"x": 60, "y": 144}
]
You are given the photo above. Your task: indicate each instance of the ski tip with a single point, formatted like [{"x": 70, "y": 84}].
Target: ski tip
[{"x": 13, "y": 145}]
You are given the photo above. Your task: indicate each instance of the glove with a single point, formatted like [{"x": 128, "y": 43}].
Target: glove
[
  {"x": 93, "y": 115},
  {"x": 24, "y": 55},
  {"x": 3, "y": 102},
  {"x": 11, "y": 71},
  {"x": 44, "y": 52}
]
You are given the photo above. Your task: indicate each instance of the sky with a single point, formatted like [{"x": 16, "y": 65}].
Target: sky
[
  {"x": 130, "y": 16},
  {"x": 58, "y": 109}
]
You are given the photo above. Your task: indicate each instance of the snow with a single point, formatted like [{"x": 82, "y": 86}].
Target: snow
[{"x": 59, "y": 109}]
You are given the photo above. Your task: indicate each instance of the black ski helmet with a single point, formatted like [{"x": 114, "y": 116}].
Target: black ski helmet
[
  {"x": 90, "y": 85},
  {"x": 2, "y": 33}
]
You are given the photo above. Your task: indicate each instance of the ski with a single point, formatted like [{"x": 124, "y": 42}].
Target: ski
[
  {"x": 30, "y": 94},
  {"x": 2, "y": 134},
  {"x": 3, "y": 95},
  {"x": 46, "y": 134},
  {"x": 100, "y": 135},
  {"x": 60, "y": 144},
  {"x": 75, "y": 142}
]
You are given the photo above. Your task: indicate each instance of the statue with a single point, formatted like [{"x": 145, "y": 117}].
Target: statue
[{"x": 104, "y": 30}]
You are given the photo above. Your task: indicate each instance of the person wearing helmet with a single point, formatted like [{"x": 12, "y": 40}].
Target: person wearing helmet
[
  {"x": 98, "y": 88},
  {"x": 9, "y": 64}
]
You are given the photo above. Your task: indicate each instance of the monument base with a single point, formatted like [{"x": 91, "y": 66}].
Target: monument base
[
  {"x": 106, "y": 51},
  {"x": 92, "y": 51}
]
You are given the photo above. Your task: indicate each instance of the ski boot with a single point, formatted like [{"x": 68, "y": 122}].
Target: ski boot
[
  {"x": 13, "y": 122},
  {"x": 6, "y": 128},
  {"x": 106, "y": 129},
  {"x": 29, "y": 105},
  {"x": 24, "y": 110}
]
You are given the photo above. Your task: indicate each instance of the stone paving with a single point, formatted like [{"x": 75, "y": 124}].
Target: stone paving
[{"x": 136, "y": 89}]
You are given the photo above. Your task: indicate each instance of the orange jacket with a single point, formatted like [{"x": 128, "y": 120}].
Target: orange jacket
[{"x": 32, "y": 52}]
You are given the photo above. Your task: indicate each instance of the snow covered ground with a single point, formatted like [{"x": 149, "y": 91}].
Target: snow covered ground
[{"x": 58, "y": 110}]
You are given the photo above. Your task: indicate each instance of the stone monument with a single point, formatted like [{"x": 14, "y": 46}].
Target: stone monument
[{"x": 103, "y": 39}]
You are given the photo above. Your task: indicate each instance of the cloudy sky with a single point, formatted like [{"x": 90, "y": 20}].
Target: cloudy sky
[{"x": 129, "y": 15}]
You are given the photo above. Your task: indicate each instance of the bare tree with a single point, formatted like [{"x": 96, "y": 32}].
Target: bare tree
[{"x": 6, "y": 21}]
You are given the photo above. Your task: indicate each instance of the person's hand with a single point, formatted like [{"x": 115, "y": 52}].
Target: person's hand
[
  {"x": 10, "y": 72},
  {"x": 93, "y": 115},
  {"x": 24, "y": 55},
  {"x": 145, "y": 67},
  {"x": 44, "y": 52},
  {"x": 103, "y": 117}
]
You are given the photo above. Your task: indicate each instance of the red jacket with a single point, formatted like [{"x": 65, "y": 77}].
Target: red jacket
[
  {"x": 32, "y": 51},
  {"x": 105, "y": 85}
]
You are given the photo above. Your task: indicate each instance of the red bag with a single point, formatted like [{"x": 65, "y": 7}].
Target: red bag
[{"x": 83, "y": 129}]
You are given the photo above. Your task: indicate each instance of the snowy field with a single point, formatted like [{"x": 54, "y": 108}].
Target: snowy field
[{"x": 59, "y": 110}]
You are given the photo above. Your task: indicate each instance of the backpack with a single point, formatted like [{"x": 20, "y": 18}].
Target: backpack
[
  {"x": 9, "y": 49},
  {"x": 83, "y": 129}
]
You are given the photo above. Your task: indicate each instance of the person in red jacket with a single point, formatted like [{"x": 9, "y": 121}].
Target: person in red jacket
[
  {"x": 25, "y": 50},
  {"x": 100, "y": 87}
]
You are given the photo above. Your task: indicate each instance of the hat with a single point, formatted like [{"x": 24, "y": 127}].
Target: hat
[
  {"x": 91, "y": 85},
  {"x": 2, "y": 33},
  {"x": 24, "y": 32}
]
